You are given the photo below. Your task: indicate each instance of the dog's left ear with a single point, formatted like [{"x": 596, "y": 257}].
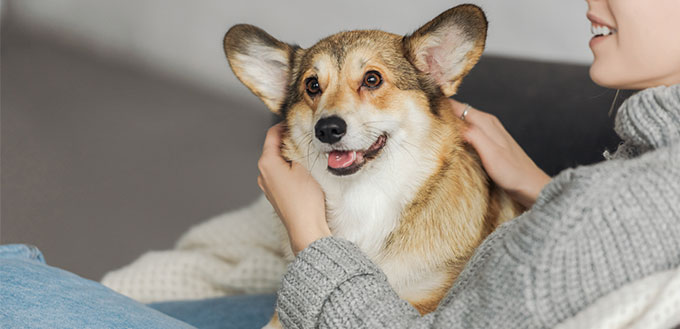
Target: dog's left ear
[{"x": 447, "y": 47}]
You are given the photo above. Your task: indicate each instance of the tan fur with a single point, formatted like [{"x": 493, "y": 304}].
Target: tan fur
[
  {"x": 457, "y": 208},
  {"x": 454, "y": 205},
  {"x": 274, "y": 322}
]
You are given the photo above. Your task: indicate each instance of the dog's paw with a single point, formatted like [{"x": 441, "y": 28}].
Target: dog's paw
[{"x": 273, "y": 323}]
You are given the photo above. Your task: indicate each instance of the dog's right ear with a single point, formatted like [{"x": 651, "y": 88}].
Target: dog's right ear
[{"x": 260, "y": 61}]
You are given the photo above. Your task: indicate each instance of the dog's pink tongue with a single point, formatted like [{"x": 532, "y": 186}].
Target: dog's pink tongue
[{"x": 341, "y": 159}]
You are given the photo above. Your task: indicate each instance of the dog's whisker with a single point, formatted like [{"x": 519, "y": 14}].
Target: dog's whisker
[
  {"x": 315, "y": 159},
  {"x": 298, "y": 159},
  {"x": 403, "y": 147},
  {"x": 379, "y": 121},
  {"x": 309, "y": 149}
]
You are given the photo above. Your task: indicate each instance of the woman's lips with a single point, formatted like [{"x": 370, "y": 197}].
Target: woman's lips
[
  {"x": 597, "y": 21},
  {"x": 600, "y": 30}
]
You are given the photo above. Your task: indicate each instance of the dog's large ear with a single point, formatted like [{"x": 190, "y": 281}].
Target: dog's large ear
[
  {"x": 260, "y": 61},
  {"x": 448, "y": 46}
]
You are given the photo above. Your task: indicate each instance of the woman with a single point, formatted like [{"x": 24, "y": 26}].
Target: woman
[{"x": 590, "y": 231}]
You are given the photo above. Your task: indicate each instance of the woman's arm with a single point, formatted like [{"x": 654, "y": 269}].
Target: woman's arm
[{"x": 331, "y": 284}]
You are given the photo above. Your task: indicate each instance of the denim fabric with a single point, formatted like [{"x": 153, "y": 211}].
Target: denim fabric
[
  {"x": 233, "y": 312},
  {"x": 35, "y": 295}
]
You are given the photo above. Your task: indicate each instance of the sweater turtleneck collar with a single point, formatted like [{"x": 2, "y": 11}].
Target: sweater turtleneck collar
[{"x": 648, "y": 120}]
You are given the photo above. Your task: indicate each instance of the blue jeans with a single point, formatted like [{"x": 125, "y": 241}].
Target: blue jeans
[{"x": 35, "y": 295}]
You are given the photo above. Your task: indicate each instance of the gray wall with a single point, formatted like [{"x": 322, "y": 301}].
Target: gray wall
[
  {"x": 183, "y": 38},
  {"x": 101, "y": 161}
]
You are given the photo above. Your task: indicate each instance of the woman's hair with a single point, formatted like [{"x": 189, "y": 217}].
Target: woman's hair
[{"x": 616, "y": 96}]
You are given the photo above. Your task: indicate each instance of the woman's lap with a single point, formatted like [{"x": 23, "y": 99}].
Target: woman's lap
[
  {"x": 248, "y": 311},
  {"x": 35, "y": 295}
]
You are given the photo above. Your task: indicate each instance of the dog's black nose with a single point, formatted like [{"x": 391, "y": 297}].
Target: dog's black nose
[{"x": 330, "y": 130}]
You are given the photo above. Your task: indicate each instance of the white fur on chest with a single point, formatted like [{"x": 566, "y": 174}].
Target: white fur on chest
[
  {"x": 366, "y": 209},
  {"x": 364, "y": 214}
]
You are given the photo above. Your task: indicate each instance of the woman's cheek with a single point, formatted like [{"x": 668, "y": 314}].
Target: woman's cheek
[{"x": 645, "y": 52}]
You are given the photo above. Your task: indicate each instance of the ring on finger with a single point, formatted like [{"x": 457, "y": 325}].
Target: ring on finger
[{"x": 465, "y": 112}]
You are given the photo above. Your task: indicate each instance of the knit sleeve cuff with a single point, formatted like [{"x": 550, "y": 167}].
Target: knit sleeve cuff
[{"x": 317, "y": 271}]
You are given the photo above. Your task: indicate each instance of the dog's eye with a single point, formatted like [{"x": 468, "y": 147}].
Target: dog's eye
[
  {"x": 372, "y": 79},
  {"x": 313, "y": 88}
]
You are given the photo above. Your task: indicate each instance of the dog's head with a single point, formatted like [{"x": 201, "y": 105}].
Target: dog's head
[{"x": 356, "y": 99}]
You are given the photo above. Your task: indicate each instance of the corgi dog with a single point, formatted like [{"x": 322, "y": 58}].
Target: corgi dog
[{"x": 367, "y": 113}]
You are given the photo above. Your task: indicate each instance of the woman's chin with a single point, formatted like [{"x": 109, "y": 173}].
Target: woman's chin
[
  {"x": 601, "y": 77},
  {"x": 610, "y": 79},
  {"x": 608, "y": 75}
]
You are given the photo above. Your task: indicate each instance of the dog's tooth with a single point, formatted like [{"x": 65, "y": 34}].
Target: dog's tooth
[{"x": 606, "y": 30}]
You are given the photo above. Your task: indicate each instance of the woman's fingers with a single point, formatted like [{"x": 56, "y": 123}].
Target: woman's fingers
[
  {"x": 473, "y": 115},
  {"x": 260, "y": 182},
  {"x": 293, "y": 192},
  {"x": 460, "y": 108},
  {"x": 481, "y": 125},
  {"x": 480, "y": 140},
  {"x": 271, "y": 151},
  {"x": 272, "y": 141}
]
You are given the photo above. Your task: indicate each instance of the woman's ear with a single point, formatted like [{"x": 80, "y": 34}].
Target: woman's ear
[
  {"x": 447, "y": 47},
  {"x": 261, "y": 62}
]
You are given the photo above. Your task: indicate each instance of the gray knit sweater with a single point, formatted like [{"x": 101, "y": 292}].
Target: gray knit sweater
[{"x": 592, "y": 230}]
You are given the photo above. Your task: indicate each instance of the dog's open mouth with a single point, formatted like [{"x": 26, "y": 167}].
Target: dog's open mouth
[{"x": 343, "y": 163}]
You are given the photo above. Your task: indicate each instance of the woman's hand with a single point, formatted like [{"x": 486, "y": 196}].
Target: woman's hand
[
  {"x": 293, "y": 192},
  {"x": 504, "y": 160}
]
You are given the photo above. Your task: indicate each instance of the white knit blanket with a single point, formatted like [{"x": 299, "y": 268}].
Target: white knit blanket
[
  {"x": 235, "y": 253},
  {"x": 649, "y": 303}
]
